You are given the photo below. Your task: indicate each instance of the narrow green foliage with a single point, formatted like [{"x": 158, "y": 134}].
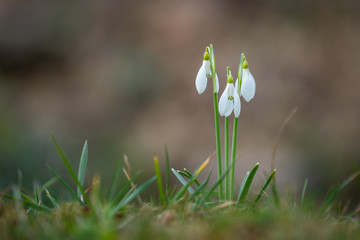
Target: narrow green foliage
[
  {"x": 334, "y": 191},
  {"x": 37, "y": 196},
  {"x": 71, "y": 171},
  {"x": 128, "y": 198},
  {"x": 52, "y": 200},
  {"x": 185, "y": 174},
  {"x": 82, "y": 168},
  {"x": 188, "y": 175},
  {"x": 28, "y": 201},
  {"x": 215, "y": 185},
  {"x": 303, "y": 192},
  {"x": 125, "y": 188},
  {"x": 201, "y": 188},
  {"x": 191, "y": 181},
  {"x": 159, "y": 180},
  {"x": 243, "y": 184},
  {"x": 167, "y": 176},
  {"x": 47, "y": 184},
  {"x": 186, "y": 185},
  {"x": 244, "y": 191},
  {"x": 115, "y": 182},
  {"x": 196, "y": 182},
  {"x": 265, "y": 185},
  {"x": 66, "y": 185}
]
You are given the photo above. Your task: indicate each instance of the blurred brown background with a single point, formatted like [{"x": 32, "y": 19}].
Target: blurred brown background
[{"x": 121, "y": 74}]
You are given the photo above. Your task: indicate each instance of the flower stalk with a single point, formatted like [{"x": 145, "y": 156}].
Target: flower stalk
[
  {"x": 216, "y": 115},
  {"x": 233, "y": 150}
]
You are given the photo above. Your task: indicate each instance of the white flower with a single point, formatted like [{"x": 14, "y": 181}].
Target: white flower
[
  {"x": 248, "y": 85},
  {"x": 229, "y": 100},
  {"x": 203, "y": 74}
]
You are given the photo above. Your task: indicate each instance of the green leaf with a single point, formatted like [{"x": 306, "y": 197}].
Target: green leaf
[
  {"x": 133, "y": 195},
  {"x": 167, "y": 176},
  {"x": 201, "y": 187},
  {"x": 120, "y": 196},
  {"x": 243, "y": 183},
  {"x": 28, "y": 201},
  {"x": 265, "y": 185},
  {"x": 82, "y": 168},
  {"x": 47, "y": 184},
  {"x": 303, "y": 192},
  {"x": 216, "y": 184},
  {"x": 159, "y": 180},
  {"x": 115, "y": 182},
  {"x": 333, "y": 192},
  {"x": 189, "y": 173},
  {"x": 243, "y": 192},
  {"x": 66, "y": 185},
  {"x": 186, "y": 185},
  {"x": 71, "y": 171}
]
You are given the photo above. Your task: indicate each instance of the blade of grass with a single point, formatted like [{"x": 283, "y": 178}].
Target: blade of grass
[
  {"x": 159, "y": 180},
  {"x": 243, "y": 183},
  {"x": 66, "y": 185},
  {"x": 303, "y": 192},
  {"x": 28, "y": 201},
  {"x": 244, "y": 192},
  {"x": 37, "y": 196},
  {"x": 125, "y": 188},
  {"x": 133, "y": 195},
  {"x": 189, "y": 173},
  {"x": 82, "y": 168},
  {"x": 71, "y": 171},
  {"x": 48, "y": 184},
  {"x": 265, "y": 185},
  {"x": 115, "y": 182},
  {"x": 181, "y": 179},
  {"x": 333, "y": 192},
  {"x": 214, "y": 186},
  {"x": 167, "y": 176},
  {"x": 132, "y": 184},
  {"x": 201, "y": 187},
  {"x": 188, "y": 184},
  {"x": 52, "y": 200}
]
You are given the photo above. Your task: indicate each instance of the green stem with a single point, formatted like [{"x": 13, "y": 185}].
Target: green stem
[
  {"x": 218, "y": 147},
  {"x": 216, "y": 115},
  {"x": 233, "y": 152},
  {"x": 226, "y": 157}
]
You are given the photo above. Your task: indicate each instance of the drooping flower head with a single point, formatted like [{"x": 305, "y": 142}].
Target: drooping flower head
[
  {"x": 203, "y": 74},
  {"x": 229, "y": 100},
  {"x": 248, "y": 85}
]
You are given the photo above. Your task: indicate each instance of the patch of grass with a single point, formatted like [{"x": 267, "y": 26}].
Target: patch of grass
[{"x": 192, "y": 211}]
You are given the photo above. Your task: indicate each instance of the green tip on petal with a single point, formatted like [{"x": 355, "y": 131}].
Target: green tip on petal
[
  {"x": 245, "y": 65},
  {"x": 206, "y": 56},
  {"x": 230, "y": 79}
]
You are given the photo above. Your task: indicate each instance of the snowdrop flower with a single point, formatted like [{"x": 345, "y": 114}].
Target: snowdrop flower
[
  {"x": 229, "y": 100},
  {"x": 248, "y": 84},
  {"x": 203, "y": 74}
]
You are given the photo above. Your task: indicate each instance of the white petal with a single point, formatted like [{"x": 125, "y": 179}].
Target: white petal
[
  {"x": 248, "y": 86},
  {"x": 225, "y": 105},
  {"x": 217, "y": 82},
  {"x": 237, "y": 105},
  {"x": 207, "y": 68},
  {"x": 201, "y": 79}
]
